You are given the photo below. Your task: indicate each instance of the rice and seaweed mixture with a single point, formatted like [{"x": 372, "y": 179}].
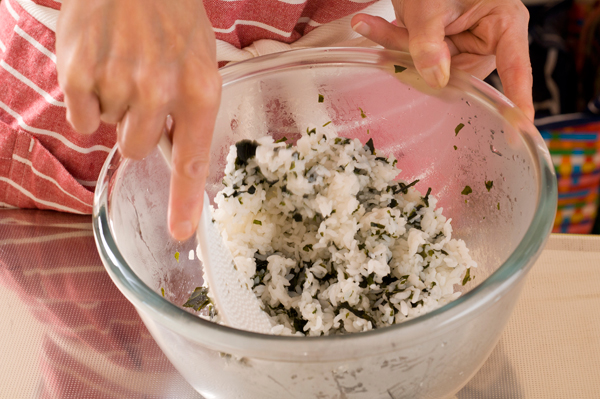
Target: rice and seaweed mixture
[{"x": 329, "y": 241}]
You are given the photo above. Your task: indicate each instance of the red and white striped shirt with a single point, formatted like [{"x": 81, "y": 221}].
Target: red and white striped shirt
[
  {"x": 45, "y": 164},
  {"x": 94, "y": 343}
]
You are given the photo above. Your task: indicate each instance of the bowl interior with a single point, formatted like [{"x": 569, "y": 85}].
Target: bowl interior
[{"x": 447, "y": 139}]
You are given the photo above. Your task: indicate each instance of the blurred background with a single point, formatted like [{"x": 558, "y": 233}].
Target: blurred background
[{"x": 564, "y": 45}]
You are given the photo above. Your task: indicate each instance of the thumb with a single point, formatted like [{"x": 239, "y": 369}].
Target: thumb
[{"x": 426, "y": 33}]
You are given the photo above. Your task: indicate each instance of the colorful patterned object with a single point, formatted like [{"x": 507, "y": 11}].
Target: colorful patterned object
[{"x": 575, "y": 149}]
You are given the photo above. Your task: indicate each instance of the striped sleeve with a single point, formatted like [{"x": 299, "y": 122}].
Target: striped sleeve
[{"x": 44, "y": 163}]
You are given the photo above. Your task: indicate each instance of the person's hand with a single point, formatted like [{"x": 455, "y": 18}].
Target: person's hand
[
  {"x": 132, "y": 63},
  {"x": 476, "y": 36}
]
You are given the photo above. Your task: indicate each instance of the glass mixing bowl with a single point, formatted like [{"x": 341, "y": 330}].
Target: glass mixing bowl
[{"x": 367, "y": 93}]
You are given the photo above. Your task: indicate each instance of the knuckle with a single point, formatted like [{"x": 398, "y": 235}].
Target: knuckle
[
  {"x": 111, "y": 118},
  {"x": 203, "y": 87},
  {"x": 515, "y": 14},
  {"x": 73, "y": 82},
  {"x": 132, "y": 144},
  {"x": 83, "y": 126},
  {"x": 128, "y": 150},
  {"x": 424, "y": 47},
  {"x": 192, "y": 166},
  {"x": 153, "y": 94},
  {"x": 521, "y": 10},
  {"x": 503, "y": 23},
  {"x": 68, "y": 88},
  {"x": 113, "y": 68},
  {"x": 112, "y": 84},
  {"x": 424, "y": 43}
]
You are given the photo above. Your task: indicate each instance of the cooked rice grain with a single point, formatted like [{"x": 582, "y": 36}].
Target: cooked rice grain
[{"x": 329, "y": 241}]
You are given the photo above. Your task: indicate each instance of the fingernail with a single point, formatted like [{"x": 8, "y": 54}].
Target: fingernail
[
  {"x": 437, "y": 76},
  {"x": 182, "y": 230},
  {"x": 362, "y": 28}
]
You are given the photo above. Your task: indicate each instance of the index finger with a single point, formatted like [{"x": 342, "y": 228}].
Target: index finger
[
  {"x": 192, "y": 137},
  {"x": 514, "y": 66}
]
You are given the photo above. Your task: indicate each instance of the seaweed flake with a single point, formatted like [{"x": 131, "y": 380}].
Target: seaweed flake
[
  {"x": 426, "y": 197},
  {"x": 467, "y": 277},
  {"x": 358, "y": 313},
  {"x": 246, "y": 149},
  {"x": 458, "y": 128},
  {"x": 297, "y": 320},
  {"x": 198, "y": 300},
  {"x": 403, "y": 188},
  {"x": 370, "y": 146}
]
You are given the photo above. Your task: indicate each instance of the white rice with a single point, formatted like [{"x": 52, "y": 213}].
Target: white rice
[{"x": 329, "y": 241}]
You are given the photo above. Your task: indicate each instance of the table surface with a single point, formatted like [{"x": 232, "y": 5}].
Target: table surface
[{"x": 67, "y": 332}]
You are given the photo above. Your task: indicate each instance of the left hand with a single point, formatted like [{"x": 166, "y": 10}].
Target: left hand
[{"x": 476, "y": 36}]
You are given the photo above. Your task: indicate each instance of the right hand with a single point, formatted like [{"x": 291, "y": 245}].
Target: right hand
[
  {"x": 132, "y": 63},
  {"x": 477, "y": 36}
]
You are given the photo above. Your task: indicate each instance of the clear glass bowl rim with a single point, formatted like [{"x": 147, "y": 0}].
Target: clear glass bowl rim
[{"x": 248, "y": 343}]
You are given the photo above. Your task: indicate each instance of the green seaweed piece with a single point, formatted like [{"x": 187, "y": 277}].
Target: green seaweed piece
[
  {"x": 358, "y": 313},
  {"x": 458, "y": 128},
  {"x": 198, "y": 300},
  {"x": 426, "y": 197},
  {"x": 467, "y": 277},
  {"x": 246, "y": 149},
  {"x": 371, "y": 146}
]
